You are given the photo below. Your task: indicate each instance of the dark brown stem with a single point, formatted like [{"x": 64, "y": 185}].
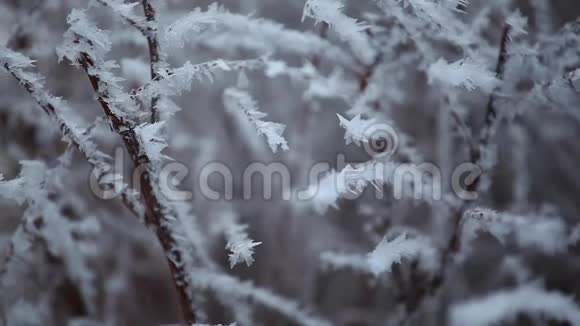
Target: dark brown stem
[
  {"x": 154, "y": 53},
  {"x": 491, "y": 112}
]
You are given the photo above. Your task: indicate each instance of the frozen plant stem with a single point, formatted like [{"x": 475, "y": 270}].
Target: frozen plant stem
[
  {"x": 476, "y": 151},
  {"x": 475, "y": 157},
  {"x": 154, "y": 210},
  {"x": 154, "y": 53},
  {"x": 491, "y": 113}
]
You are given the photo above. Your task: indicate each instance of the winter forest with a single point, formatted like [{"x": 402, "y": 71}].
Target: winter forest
[{"x": 299, "y": 162}]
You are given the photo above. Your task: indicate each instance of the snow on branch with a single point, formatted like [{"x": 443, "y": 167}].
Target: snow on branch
[
  {"x": 507, "y": 305},
  {"x": 239, "y": 100},
  {"x": 175, "y": 81},
  {"x": 335, "y": 85},
  {"x": 357, "y": 129},
  {"x": 240, "y": 245},
  {"x": 57, "y": 109},
  {"x": 350, "y": 181},
  {"x": 152, "y": 142},
  {"x": 84, "y": 43},
  {"x": 14, "y": 60},
  {"x": 226, "y": 284},
  {"x": 83, "y": 36},
  {"x": 463, "y": 73},
  {"x": 16, "y": 64},
  {"x": 157, "y": 57},
  {"x": 438, "y": 12},
  {"x": 348, "y": 29},
  {"x": 391, "y": 250},
  {"x": 30, "y": 182},
  {"x": 345, "y": 261},
  {"x": 43, "y": 219},
  {"x": 144, "y": 146},
  {"x": 126, "y": 11},
  {"x": 194, "y": 23},
  {"x": 518, "y": 23},
  {"x": 432, "y": 19},
  {"x": 245, "y": 32},
  {"x": 545, "y": 233}
]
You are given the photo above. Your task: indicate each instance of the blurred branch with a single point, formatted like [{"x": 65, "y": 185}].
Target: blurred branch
[
  {"x": 491, "y": 112},
  {"x": 476, "y": 151},
  {"x": 475, "y": 157},
  {"x": 15, "y": 38},
  {"x": 143, "y": 28}
]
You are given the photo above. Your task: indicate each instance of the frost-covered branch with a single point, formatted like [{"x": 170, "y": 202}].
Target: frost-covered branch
[
  {"x": 245, "y": 32},
  {"x": 223, "y": 283},
  {"x": 62, "y": 237},
  {"x": 237, "y": 100},
  {"x": 239, "y": 243},
  {"x": 389, "y": 251},
  {"x": 463, "y": 73},
  {"x": 506, "y": 305},
  {"x": 156, "y": 56},
  {"x": 349, "y": 29},
  {"x": 87, "y": 44},
  {"x": 175, "y": 81},
  {"x": 17, "y": 64},
  {"x": 547, "y": 234},
  {"x": 491, "y": 111},
  {"x": 350, "y": 181},
  {"x": 125, "y": 10}
]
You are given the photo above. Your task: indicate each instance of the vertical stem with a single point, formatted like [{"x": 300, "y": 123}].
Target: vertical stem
[
  {"x": 155, "y": 210},
  {"x": 502, "y": 58},
  {"x": 154, "y": 53},
  {"x": 476, "y": 152}
]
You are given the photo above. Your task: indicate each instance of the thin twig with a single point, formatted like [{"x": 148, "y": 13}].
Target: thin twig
[
  {"x": 491, "y": 112},
  {"x": 485, "y": 138},
  {"x": 154, "y": 52}
]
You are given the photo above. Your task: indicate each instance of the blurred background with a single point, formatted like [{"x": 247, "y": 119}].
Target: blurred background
[{"x": 537, "y": 158}]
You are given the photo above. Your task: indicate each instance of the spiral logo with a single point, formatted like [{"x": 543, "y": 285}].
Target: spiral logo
[{"x": 382, "y": 140}]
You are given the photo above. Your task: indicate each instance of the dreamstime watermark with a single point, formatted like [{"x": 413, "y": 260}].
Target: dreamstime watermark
[{"x": 217, "y": 181}]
